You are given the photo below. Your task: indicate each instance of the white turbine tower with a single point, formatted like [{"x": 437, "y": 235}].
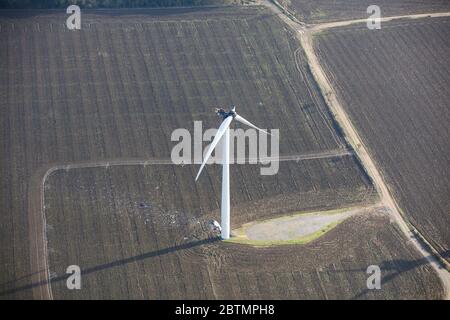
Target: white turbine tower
[{"x": 224, "y": 131}]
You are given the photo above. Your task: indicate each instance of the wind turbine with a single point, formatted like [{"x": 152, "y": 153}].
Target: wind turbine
[{"x": 224, "y": 131}]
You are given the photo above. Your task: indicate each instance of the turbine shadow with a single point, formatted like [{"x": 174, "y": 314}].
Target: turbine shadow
[
  {"x": 7, "y": 283},
  {"x": 114, "y": 264}
]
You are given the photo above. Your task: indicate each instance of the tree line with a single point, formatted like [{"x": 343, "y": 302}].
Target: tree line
[{"x": 48, "y": 4}]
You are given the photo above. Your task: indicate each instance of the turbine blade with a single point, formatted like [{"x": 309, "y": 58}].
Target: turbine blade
[
  {"x": 223, "y": 127},
  {"x": 248, "y": 123}
]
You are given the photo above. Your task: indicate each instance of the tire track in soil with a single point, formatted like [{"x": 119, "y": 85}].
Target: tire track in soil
[{"x": 37, "y": 220}]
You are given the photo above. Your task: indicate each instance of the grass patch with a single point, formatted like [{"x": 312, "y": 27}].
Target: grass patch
[{"x": 240, "y": 236}]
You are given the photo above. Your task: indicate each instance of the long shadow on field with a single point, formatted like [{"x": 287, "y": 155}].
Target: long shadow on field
[
  {"x": 20, "y": 279},
  {"x": 396, "y": 268},
  {"x": 116, "y": 263}
]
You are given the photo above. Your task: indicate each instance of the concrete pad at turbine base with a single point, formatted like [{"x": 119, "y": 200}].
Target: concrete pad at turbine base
[{"x": 298, "y": 228}]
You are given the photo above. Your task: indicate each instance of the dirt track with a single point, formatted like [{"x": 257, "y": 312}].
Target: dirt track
[
  {"x": 336, "y": 24},
  {"x": 305, "y": 36},
  {"x": 37, "y": 219}
]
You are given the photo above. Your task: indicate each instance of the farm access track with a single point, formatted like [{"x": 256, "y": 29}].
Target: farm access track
[
  {"x": 40, "y": 280},
  {"x": 305, "y": 36}
]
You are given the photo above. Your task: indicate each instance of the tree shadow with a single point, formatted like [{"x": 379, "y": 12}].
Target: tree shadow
[
  {"x": 111, "y": 264},
  {"x": 396, "y": 268}
]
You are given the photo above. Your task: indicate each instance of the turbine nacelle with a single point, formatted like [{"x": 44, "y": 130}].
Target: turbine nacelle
[{"x": 225, "y": 114}]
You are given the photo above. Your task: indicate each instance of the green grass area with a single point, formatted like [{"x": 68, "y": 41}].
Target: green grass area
[
  {"x": 239, "y": 235},
  {"x": 267, "y": 243}
]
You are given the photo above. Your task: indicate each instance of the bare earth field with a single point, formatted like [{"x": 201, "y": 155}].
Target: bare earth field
[
  {"x": 115, "y": 91},
  {"x": 400, "y": 106},
  {"x": 316, "y": 11},
  {"x": 165, "y": 250},
  {"x": 118, "y": 88}
]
